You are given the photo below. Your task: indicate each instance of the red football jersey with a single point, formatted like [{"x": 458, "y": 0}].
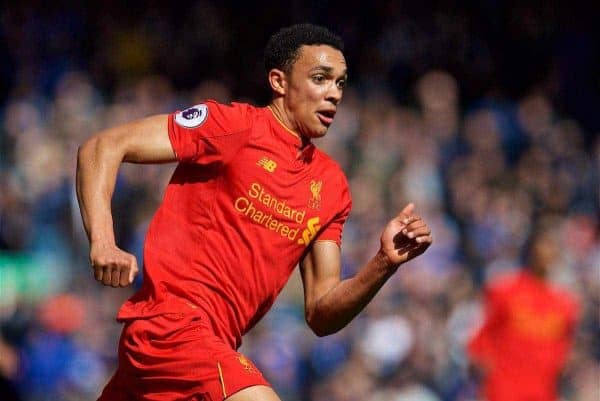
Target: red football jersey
[
  {"x": 241, "y": 208},
  {"x": 524, "y": 341}
]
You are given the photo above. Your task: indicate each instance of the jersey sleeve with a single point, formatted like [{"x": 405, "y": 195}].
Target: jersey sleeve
[
  {"x": 333, "y": 230},
  {"x": 209, "y": 132}
]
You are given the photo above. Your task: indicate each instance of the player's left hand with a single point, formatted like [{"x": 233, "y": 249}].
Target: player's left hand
[{"x": 405, "y": 237}]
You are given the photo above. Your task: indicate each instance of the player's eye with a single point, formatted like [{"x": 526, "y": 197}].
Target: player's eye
[
  {"x": 318, "y": 79},
  {"x": 341, "y": 84}
]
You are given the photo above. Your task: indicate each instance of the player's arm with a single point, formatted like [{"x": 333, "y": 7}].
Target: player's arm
[
  {"x": 98, "y": 161},
  {"x": 331, "y": 303},
  {"x": 481, "y": 347}
]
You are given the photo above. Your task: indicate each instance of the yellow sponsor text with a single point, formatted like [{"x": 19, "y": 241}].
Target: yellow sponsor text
[
  {"x": 257, "y": 192},
  {"x": 248, "y": 208},
  {"x": 276, "y": 215}
]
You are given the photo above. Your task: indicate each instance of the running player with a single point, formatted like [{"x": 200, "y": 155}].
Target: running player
[
  {"x": 250, "y": 198},
  {"x": 528, "y": 330}
]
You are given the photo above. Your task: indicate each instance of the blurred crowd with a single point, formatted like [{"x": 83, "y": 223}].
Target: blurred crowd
[{"x": 484, "y": 149}]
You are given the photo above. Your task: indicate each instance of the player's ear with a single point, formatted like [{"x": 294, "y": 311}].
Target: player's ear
[{"x": 277, "y": 81}]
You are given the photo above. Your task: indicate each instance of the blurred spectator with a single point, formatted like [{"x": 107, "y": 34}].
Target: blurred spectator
[
  {"x": 55, "y": 365},
  {"x": 8, "y": 369}
]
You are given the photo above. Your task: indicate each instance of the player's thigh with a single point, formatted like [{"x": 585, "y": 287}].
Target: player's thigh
[{"x": 255, "y": 393}]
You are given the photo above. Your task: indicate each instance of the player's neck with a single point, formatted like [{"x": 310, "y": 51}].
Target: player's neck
[
  {"x": 539, "y": 272},
  {"x": 281, "y": 116},
  {"x": 279, "y": 112}
]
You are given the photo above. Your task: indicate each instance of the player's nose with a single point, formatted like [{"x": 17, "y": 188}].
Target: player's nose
[{"x": 334, "y": 94}]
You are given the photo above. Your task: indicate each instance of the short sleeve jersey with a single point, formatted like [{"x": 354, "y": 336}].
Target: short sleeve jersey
[
  {"x": 243, "y": 205},
  {"x": 525, "y": 339}
]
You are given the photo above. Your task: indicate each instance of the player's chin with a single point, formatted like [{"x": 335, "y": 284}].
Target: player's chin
[{"x": 319, "y": 131}]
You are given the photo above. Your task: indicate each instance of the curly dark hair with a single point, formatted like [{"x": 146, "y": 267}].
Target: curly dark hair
[{"x": 283, "y": 47}]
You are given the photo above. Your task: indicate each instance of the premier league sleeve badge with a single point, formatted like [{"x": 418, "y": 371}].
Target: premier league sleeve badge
[{"x": 193, "y": 117}]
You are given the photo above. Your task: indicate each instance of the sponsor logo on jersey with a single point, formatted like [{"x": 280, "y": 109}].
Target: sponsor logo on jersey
[
  {"x": 278, "y": 217},
  {"x": 534, "y": 324},
  {"x": 193, "y": 117},
  {"x": 267, "y": 164},
  {"x": 312, "y": 227},
  {"x": 315, "y": 190}
]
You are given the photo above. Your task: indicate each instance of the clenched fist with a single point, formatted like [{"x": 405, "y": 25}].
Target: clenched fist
[{"x": 113, "y": 266}]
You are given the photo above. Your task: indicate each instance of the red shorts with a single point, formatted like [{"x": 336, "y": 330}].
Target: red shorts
[{"x": 177, "y": 357}]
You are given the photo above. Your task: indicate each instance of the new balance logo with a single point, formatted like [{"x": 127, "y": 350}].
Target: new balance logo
[
  {"x": 312, "y": 227},
  {"x": 267, "y": 164}
]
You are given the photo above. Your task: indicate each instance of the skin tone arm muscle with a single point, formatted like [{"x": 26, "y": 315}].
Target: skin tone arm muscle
[
  {"x": 331, "y": 303},
  {"x": 98, "y": 161}
]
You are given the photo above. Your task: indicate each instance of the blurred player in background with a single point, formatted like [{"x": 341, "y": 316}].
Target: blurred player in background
[
  {"x": 528, "y": 330},
  {"x": 250, "y": 198}
]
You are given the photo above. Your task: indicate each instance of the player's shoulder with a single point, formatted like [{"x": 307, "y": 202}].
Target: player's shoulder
[
  {"x": 331, "y": 166},
  {"x": 227, "y": 118},
  {"x": 565, "y": 297},
  {"x": 233, "y": 109},
  {"x": 333, "y": 177},
  {"x": 504, "y": 282}
]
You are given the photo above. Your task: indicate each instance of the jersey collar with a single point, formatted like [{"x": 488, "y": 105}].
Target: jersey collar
[{"x": 301, "y": 153}]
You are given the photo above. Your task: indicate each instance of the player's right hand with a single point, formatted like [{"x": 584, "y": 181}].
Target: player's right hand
[{"x": 113, "y": 266}]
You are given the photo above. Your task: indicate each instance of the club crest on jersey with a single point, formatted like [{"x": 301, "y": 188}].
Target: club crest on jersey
[
  {"x": 193, "y": 117},
  {"x": 247, "y": 364},
  {"x": 315, "y": 190}
]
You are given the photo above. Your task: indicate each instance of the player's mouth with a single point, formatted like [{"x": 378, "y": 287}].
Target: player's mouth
[{"x": 326, "y": 116}]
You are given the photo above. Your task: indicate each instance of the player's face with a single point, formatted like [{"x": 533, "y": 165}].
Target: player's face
[
  {"x": 315, "y": 85},
  {"x": 544, "y": 254}
]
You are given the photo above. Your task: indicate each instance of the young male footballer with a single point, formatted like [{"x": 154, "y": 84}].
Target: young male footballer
[{"x": 251, "y": 197}]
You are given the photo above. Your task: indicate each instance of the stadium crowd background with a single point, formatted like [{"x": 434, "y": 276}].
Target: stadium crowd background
[{"x": 485, "y": 114}]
